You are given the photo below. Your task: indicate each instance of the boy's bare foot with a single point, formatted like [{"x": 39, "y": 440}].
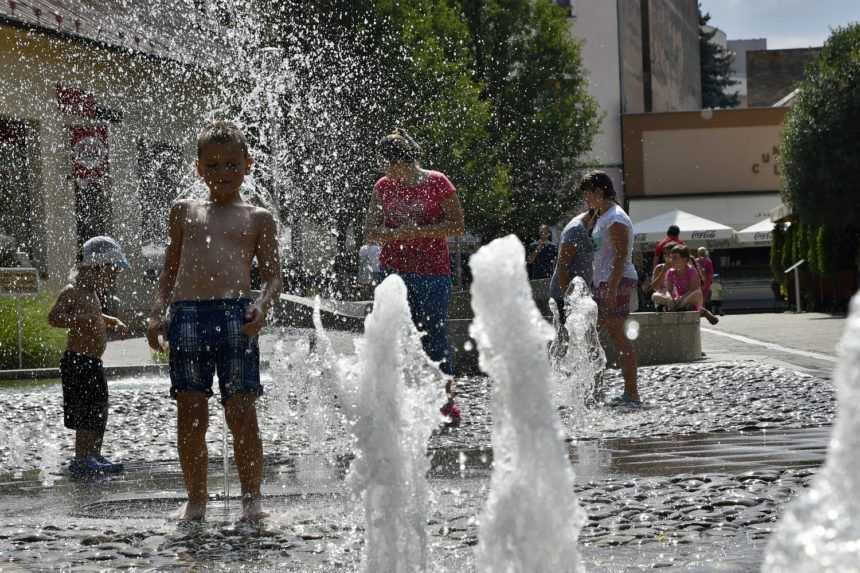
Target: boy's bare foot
[
  {"x": 252, "y": 509},
  {"x": 191, "y": 511}
]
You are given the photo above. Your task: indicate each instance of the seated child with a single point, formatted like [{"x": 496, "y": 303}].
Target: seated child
[
  {"x": 684, "y": 285},
  {"x": 658, "y": 286},
  {"x": 85, "y": 393}
]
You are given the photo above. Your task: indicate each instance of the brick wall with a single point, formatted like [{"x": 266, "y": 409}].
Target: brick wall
[{"x": 773, "y": 74}]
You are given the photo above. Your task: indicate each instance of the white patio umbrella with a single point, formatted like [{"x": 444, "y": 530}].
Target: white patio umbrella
[
  {"x": 694, "y": 229},
  {"x": 760, "y": 233}
]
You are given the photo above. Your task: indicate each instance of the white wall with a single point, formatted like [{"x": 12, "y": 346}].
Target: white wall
[
  {"x": 690, "y": 161},
  {"x": 595, "y": 24}
]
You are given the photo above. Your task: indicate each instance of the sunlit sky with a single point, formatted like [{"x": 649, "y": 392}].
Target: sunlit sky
[{"x": 785, "y": 23}]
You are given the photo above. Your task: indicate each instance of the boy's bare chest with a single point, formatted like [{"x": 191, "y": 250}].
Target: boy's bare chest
[
  {"x": 87, "y": 309},
  {"x": 212, "y": 228}
]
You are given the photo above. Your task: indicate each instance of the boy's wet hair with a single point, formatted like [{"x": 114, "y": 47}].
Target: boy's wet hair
[
  {"x": 222, "y": 132},
  {"x": 598, "y": 180},
  {"x": 399, "y": 146}
]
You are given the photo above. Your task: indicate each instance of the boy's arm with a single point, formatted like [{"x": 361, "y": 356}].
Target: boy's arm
[
  {"x": 167, "y": 278},
  {"x": 61, "y": 315},
  {"x": 116, "y": 325},
  {"x": 270, "y": 272}
]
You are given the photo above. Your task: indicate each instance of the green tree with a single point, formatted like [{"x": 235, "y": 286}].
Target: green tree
[
  {"x": 824, "y": 245},
  {"x": 381, "y": 64},
  {"x": 492, "y": 89},
  {"x": 821, "y": 139},
  {"x": 776, "y": 252},
  {"x": 543, "y": 119},
  {"x": 811, "y": 256},
  {"x": 716, "y": 63},
  {"x": 788, "y": 247}
]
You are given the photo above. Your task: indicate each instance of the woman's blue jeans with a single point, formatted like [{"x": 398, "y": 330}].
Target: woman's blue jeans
[{"x": 428, "y": 298}]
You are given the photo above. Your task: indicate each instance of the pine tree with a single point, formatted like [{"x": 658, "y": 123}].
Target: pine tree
[{"x": 716, "y": 64}]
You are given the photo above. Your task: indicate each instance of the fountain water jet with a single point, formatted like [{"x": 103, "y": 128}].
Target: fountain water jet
[
  {"x": 821, "y": 529},
  {"x": 578, "y": 361},
  {"x": 532, "y": 518},
  {"x": 390, "y": 397}
]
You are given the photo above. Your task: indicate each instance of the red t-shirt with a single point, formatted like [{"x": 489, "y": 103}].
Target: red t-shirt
[{"x": 421, "y": 204}]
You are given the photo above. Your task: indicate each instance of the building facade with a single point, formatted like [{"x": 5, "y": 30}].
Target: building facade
[
  {"x": 94, "y": 136},
  {"x": 774, "y": 74},
  {"x": 640, "y": 56},
  {"x": 721, "y": 165},
  {"x": 739, "y": 64}
]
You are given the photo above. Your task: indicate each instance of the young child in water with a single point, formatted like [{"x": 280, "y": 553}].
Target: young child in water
[
  {"x": 214, "y": 322},
  {"x": 85, "y": 392}
]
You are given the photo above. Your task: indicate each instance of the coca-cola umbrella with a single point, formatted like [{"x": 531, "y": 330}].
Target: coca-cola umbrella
[
  {"x": 758, "y": 234},
  {"x": 695, "y": 230}
]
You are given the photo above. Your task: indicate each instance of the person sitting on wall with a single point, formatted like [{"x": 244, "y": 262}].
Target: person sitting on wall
[
  {"x": 658, "y": 285},
  {"x": 673, "y": 236},
  {"x": 541, "y": 260},
  {"x": 685, "y": 287}
]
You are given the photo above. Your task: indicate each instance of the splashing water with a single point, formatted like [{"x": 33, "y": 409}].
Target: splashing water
[
  {"x": 821, "y": 530},
  {"x": 49, "y": 457},
  {"x": 532, "y": 518},
  {"x": 391, "y": 397},
  {"x": 578, "y": 359},
  {"x": 17, "y": 451}
]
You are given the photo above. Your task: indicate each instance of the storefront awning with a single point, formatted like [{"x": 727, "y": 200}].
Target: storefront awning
[
  {"x": 760, "y": 234},
  {"x": 737, "y": 210},
  {"x": 695, "y": 230}
]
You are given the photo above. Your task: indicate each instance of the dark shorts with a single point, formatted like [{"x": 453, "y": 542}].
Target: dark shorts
[
  {"x": 620, "y": 305},
  {"x": 206, "y": 337},
  {"x": 85, "y": 393}
]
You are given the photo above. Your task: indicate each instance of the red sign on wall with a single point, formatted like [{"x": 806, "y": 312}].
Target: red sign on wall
[
  {"x": 75, "y": 102},
  {"x": 90, "y": 158}
]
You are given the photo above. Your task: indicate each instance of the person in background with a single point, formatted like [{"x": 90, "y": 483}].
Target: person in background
[
  {"x": 659, "y": 287},
  {"x": 684, "y": 285},
  {"x": 717, "y": 295},
  {"x": 575, "y": 259},
  {"x": 706, "y": 268},
  {"x": 542, "y": 256},
  {"x": 369, "y": 269},
  {"x": 673, "y": 235},
  {"x": 85, "y": 391},
  {"x": 412, "y": 213},
  {"x": 614, "y": 279}
]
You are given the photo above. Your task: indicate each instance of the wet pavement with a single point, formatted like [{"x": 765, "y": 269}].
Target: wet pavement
[{"x": 695, "y": 480}]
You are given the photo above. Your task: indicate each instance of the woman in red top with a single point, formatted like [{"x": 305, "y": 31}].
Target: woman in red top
[{"x": 412, "y": 213}]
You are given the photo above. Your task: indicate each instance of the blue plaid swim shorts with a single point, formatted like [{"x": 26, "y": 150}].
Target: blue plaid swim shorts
[{"x": 206, "y": 338}]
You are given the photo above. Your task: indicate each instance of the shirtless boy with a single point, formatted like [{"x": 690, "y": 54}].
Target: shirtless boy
[
  {"x": 85, "y": 392},
  {"x": 213, "y": 325}
]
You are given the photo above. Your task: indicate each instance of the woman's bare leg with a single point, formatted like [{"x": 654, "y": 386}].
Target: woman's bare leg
[{"x": 626, "y": 353}]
